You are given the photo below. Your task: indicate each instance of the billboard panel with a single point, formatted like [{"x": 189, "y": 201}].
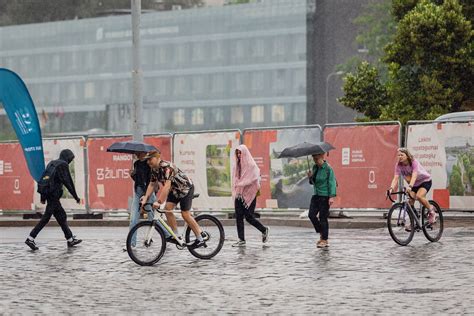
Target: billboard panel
[
  {"x": 16, "y": 184},
  {"x": 110, "y": 185},
  {"x": 284, "y": 181},
  {"x": 363, "y": 162},
  {"x": 446, "y": 150},
  {"x": 52, "y": 149},
  {"x": 206, "y": 159}
]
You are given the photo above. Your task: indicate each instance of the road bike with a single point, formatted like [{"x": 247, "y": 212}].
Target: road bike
[
  {"x": 403, "y": 220},
  {"x": 150, "y": 242}
]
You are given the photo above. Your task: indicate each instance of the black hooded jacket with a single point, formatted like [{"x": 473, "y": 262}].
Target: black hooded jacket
[{"x": 62, "y": 175}]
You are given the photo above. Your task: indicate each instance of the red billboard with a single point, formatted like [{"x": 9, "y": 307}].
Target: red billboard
[
  {"x": 364, "y": 162},
  {"x": 16, "y": 184},
  {"x": 110, "y": 184}
]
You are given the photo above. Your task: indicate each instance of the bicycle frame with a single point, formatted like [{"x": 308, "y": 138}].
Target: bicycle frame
[
  {"x": 157, "y": 218},
  {"x": 407, "y": 206},
  {"x": 410, "y": 208}
]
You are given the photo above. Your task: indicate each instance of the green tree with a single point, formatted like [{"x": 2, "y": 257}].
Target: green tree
[
  {"x": 429, "y": 61},
  {"x": 364, "y": 92}
]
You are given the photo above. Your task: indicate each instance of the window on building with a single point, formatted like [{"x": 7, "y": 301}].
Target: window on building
[
  {"x": 217, "y": 83},
  {"x": 258, "y": 81},
  {"x": 237, "y": 115},
  {"x": 197, "y": 117},
  {"x": 299, "y": 81},
  {"x": 218, "y": 115},
  {"x": 278, "y": 113},
  {"x": 179, "y": 86},
  {"x": 240, "y": 81},
  {"x": 55, "y": 91},
  {"x": 178, "y": 117},
  {"x": 198, "y": 84},
  {"x": 299, "y": 113},
  {"x": 198, "y": 51},
  {"x": 71, "y": 92},
  {"x": 56, "y": 62},
  {"x": 240, "y": 48},
  {"x": 182, "y": 52},
  {"x": 257, "y": 114},
  {"x": 89, "y": 90},
  {"x": 279, "y": 46},
  {"x": 279, "y": 83},
  {"x": 217, "y": 49}
]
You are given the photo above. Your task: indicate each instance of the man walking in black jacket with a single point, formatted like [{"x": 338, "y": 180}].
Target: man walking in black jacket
[{"x": 62, "y": 176}]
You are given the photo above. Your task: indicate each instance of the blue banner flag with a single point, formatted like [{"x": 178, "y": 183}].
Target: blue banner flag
[{"x": 22, "y": 114}]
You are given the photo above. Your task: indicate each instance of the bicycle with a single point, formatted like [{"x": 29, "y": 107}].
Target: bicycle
[
  {"x": 404, "y": 219},
  {"x": 151, "y": 242}
]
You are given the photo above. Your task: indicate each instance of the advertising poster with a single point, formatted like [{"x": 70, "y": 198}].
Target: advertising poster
[
  {"x": 284, "y": 182},
  {"x": 110, "y": 185},
  {"x": 363, "y": 162},
  {"x": 16, "y": 184},
  {"x": 206, "y": 159},
  {"x": 52, "y": 149},
  {"x": 446, "y": 150}
]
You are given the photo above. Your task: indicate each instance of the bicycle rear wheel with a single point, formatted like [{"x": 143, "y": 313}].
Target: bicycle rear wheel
[
  {"x": 214, "y": 240},
  {"x": 142, "y": 250},
  {"x": 400, "y": 224},
  {"x": 433, "y": 231}
]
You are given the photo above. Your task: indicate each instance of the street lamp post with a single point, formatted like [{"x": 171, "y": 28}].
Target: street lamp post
[
  {"x": 137, "y": 116},
  {"x": 326, "y": 113}
]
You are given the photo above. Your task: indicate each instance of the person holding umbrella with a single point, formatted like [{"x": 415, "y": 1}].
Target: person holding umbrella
[
  {"x": 324, "y": 184},
  {"x": 141, "y": 175}
]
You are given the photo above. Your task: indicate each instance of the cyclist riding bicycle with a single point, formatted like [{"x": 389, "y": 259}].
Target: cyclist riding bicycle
[
  {"x": 176, "y": 188},
  {"x": 419, "y": 180}
]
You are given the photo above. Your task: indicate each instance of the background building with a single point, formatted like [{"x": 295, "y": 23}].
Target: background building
[{"x": 250, "y": 65}]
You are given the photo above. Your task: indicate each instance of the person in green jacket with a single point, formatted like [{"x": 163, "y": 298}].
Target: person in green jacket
[{"x": 324, "y": 183}]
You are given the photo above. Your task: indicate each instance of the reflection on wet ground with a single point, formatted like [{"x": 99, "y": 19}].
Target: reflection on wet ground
[{"x": 363, "y": 271}]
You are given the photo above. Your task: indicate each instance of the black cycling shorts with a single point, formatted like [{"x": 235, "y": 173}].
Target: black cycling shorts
[
  {"x": 185, "y": 203},
  {"x": 426, "y": 185}
]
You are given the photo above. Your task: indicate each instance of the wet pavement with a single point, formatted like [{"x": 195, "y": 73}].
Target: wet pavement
[{"x": 362, "y": 272}]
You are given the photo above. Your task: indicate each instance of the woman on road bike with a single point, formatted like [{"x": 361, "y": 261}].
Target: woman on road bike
[
  {"x": 419, "y": 180},
  {"x": 176, "y": 188}
]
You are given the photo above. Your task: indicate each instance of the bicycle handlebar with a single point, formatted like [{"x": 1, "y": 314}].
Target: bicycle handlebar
[
  {"x": 152, "y": 208},
  {"x": 389, "y": 194}
]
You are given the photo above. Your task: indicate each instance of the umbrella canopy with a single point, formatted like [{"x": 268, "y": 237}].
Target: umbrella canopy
[
  {"x": 305, "y": 149},
  {"x": 130, "y": 147}
]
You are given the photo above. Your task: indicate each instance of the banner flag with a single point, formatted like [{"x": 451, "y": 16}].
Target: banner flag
[{"x": 22, "y": 114}]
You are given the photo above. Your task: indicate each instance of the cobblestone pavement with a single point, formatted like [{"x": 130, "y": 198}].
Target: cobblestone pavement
[{"x": 363, "y": 271}]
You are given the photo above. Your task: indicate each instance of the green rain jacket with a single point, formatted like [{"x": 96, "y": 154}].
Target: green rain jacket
[{"x": 323, "y": 180}]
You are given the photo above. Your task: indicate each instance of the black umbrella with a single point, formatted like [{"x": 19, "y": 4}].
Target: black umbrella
[
  {"x": 305, "y": 149},
  {"x": 130, "y": 147}
]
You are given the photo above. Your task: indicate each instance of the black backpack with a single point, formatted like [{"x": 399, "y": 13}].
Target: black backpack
[{"x": 46, "y": 185}]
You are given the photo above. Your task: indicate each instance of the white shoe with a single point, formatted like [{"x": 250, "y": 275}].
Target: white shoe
[{"x": 240, "y": 243}]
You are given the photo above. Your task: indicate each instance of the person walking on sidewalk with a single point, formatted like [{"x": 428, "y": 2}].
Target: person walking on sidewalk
[
  {"x": 245, "y": 185},
  {"x": 324, "y": 190},
  {"x": 60, "y": 176}
]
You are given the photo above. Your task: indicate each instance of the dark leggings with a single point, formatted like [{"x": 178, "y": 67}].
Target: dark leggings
[
  {"x": 240, "y": 212},
  {"x": 53, "y": 207},
  {"x": 320, "y": 204}
]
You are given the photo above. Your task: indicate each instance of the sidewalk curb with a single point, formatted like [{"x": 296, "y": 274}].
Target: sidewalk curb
[{"x": 334, "y": 223}]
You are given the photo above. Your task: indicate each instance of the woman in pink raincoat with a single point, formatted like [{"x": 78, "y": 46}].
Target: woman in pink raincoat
[{"x": 245, "y": 185}]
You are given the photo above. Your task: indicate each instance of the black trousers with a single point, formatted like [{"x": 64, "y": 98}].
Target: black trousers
[
  {"x": 53, "y": 207},
  {"x": 240, "y": 212},
  {"x": 320, "y": 205}
]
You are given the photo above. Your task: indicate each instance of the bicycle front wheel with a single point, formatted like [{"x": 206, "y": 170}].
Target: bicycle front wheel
[
  {"x": 214, "y": 237},
  {"x": 433, "y": 231},
  {"x": 400, "y": 224},
  {"x": 146, "y": 243}
]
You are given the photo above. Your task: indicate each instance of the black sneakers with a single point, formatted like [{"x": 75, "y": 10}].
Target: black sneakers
[
  {"x": 265, "y": 235},
  {"x": 197, "y": 244},
  {"x": 31, "y": 244},
  {"x": 73, "y": 242}
]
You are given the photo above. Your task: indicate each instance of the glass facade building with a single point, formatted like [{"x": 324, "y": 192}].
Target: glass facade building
[{"x": 234, "y": 66}]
